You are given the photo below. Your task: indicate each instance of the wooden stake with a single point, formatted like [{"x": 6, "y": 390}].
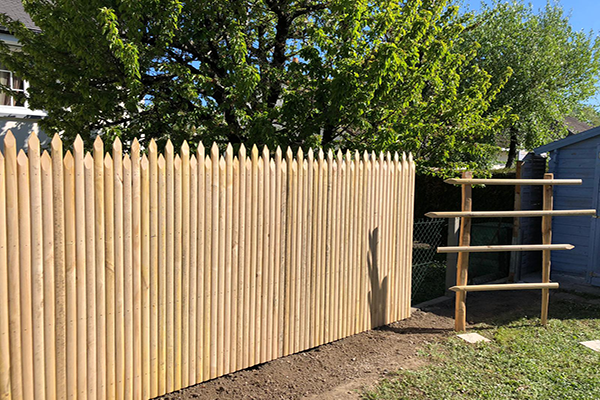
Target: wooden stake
[
  {"x": 60, "y": 327},
  {"x": 5, "y": 389},
  {"x": 100, "y": 268},
  {"x": 109, "y": 226},
  {"x": 546, "y": 239},
  {"x": 462, "y": 265}
]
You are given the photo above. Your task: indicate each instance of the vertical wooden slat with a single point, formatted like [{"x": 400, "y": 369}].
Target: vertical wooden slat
[
  {"x": 118, "y": 267},
  {"x": 397, "y": 261},
  {"x": 37, "y": 266},
  {"x": 170, "y": 249},
  {"x": 185, "y": 262},
  {"x": 60, "y": 328},
  {"x": 90, "y": 276},
  {"x": 154, "y": 273},
  {"x": 14, "y": 288},
  {"x": 109, "y": 247},
  {"x": 207, "y": 268},
  {"x": 242, "y": 266},
  {"x": 101, "y": 370},
  {"x": 193, "y": 270},
  {"x": 214, "y": 249},
  {"x": 402, "y": 242},
  {"x": 136, "y": 297},
  {"x": 177, "y": 273},
  {"x": 145, "y": 277},
  {"x": 345, "y": 172},
  {"x": 305, "y": 259},
  {"x": 293, "y": 259},
  {"x": 321, "y": 243},
  {"x": 282, "y": 249},
  {"x": 367, "y": 277},
  {"x": 200, "y": 320},
  {"x": 70, "y": 275},
  {"x": 298, "y": 294},
  {"x": 253, "y": 260},
  {"x": 328, "y": 304},
  {"x": 247, "y": 262},
  {"x": 235, "y": 277},
  {"x": 128, "y": 276},
  {"x": 276, "y": 249},
  {"x": 258, "y": 257},
  {"x": 409, "y": 232},
  {"x": 49, "y": 281},
  {"x": 547, "y": 204},
  {"x": 359, "y": 260},
  {"x": 270, "y": 255},
  {"x": 80, "y": 253},
  {"x": 288, "y": 304},
  {"x": 228, "y": 270},
  {"x": 5, "y": 387},
  {"x": 27, "y": 357},
  {"x": 162, "y": 274},
  {"x": 220, "y": 323},
  {"x": 262, "y": 263},
  {"x": 337, "y": 207},
  {"x": 353, "y": 263},
  {"x": 313, "y": 185}
]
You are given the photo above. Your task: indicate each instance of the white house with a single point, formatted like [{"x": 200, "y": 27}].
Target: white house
[{"x": 15, "y": 116}]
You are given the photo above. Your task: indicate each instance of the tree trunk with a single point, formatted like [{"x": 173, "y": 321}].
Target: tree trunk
[{"x": 512, "y": 149}]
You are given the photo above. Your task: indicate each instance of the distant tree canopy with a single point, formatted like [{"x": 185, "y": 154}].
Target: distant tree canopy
[
  {"x": 554, "y": 68},
  {"x": 382, "y": 75}
]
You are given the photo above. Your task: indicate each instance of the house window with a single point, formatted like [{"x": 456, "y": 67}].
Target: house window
[{"x": 8, "y": 78}]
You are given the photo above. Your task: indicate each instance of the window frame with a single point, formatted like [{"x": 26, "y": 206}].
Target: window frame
[{"x": 11, "y": 85}]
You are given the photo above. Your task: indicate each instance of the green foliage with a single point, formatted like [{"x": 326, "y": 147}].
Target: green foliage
[
  {"x": 382, "y": 75},
  {"x": 587, "y": 113},
  {"x": 523, "y": 361},
  {"x": 554, "y": 67}
]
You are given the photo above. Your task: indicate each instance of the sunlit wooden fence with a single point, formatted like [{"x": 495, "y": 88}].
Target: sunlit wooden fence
[{"x": 130, "y": 276}]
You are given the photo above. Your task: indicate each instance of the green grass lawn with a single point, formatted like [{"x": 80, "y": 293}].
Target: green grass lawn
[{"x": 523, "y": 361}]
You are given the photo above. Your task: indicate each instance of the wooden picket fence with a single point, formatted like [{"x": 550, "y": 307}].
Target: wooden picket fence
[{"x": 130, "y": 276}]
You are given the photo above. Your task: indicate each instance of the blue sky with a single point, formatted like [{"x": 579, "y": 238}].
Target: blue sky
[{"x": 585, "y": 15}]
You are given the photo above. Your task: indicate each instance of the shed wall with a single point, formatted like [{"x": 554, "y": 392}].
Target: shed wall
[{"x": 575, "y": 161}]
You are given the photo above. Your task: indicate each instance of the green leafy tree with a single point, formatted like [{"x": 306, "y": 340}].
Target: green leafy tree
[
  {"x": 587, "y": 113},
  {"x": 555, "y": 68},
  {"x": 381, "y": 75}
]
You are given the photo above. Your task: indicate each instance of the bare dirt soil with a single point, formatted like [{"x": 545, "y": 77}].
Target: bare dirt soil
[{"x": 343, "y": 369}]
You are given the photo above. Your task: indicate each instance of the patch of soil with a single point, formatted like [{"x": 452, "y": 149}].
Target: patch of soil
[{"x": 342, "y": 369}]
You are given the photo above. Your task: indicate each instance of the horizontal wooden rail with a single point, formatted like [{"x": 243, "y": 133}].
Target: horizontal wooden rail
[
  {"x": 508, "y": 182},
  {"x": 520, "y": 214},
  {"x": 500, "y": 248},
  {"x": 504, "y": 286}
]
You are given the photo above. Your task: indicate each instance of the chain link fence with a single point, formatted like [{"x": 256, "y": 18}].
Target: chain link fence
[{"x": 429, "y": 267}]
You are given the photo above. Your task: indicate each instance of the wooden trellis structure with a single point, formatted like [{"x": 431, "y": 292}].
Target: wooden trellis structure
[{"x": 464, "y": 247}]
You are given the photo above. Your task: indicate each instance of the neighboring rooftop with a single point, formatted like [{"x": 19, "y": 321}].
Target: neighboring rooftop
[
  {"x": 576, "y": 126},
  {"x": 14, "y": 10}
]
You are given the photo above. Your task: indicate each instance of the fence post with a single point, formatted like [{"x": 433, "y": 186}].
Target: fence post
[{"x": 452, "y": 258}]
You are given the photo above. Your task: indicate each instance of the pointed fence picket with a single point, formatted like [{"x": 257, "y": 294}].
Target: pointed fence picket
[{"x": 128, "y": 276}]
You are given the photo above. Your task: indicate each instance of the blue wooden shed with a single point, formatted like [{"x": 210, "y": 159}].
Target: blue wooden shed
[{"x": 576, "y": 156}]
